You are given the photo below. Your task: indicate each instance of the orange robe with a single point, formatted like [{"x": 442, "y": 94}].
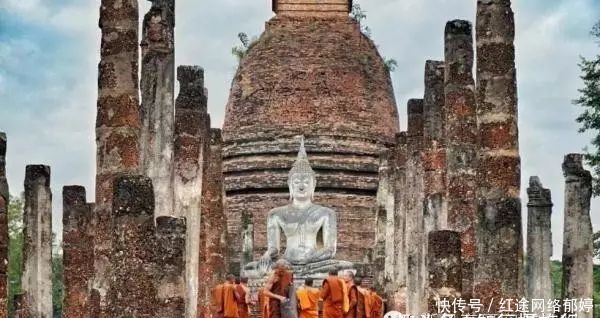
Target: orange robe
[
  {"x": 263, "y": 301},
  {"x": 361, "y": 303},
  {"x": 308, "y": 301},
  {"x": 352, "y": 301},
  {"x": 243, "y": 311},
  {"x": 332, "y": 294},
  {"x": 230, "y": 308},
  {"x": 377, "y": 305},
  {"x": 368, "y": 302},
  {"x": 218, "y": 300},
  {"x": 283, "y": 281}
]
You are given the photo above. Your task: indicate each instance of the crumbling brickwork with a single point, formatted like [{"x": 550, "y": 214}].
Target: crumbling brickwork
[
  {"x": 444, "y": 268},
  {"x": 4, "y": 201},
  {"x": 78, "y": 252},
  {"x": 192, "y": 125},
  {"x": 577, "y": 259},
  {"x": 383, "y": 254},
  {"x": 321, "y": 78},
  {"x": 36, "y": 281},
  {"x": 117, "y": 125},
  {"x": 397, "y": 301},
  {"x": 499, "y": 167},
  {"x": 157, "y": 88},
  {"x": 312, "y": 8},
  {"x": 461, "y": 142},
  {"x": 169, "y": 271},
  {"x": 539, "y": 242},
  {"x": 213, "y": 242}
]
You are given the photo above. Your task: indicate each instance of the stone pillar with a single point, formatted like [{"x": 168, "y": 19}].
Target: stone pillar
[
  {"x": 445, "y": 265},
  {"x": 78, "y": 252},
  {"x": 213, "y": 247},
  {"x": 434, "y": 161},
  {"x": 192, "y": 125},
  {"x": 170, "y": 266},
  {"x": 461, "y": 142},
  {"x": 36, "y": 281},
  {"x": 398, "y": 301},
  {"x": 577, "y": 260},
  {"x": 499, "y": 164},
  {"x": 157, "y": 109},
  {"x": 18, "y": 306},
  {"x": 539, "y": 242},
  {"x": 117, "y": 125},
  {"x": 133, "y": 288},
  {"x": 416, "y": 237},
  {"x": 384, "y": 249},
  {"x": 4, "y": 201}
]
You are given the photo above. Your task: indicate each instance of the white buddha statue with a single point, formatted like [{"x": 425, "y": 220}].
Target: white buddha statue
[{"x": 310, "y": 229}]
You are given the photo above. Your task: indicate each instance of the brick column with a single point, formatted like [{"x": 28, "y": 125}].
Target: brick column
[
  {"x": 117, "y": 126},
  {"x": 499, "y": 171},
  {"x": 384, "y": 249},
  {"x": 78, "y": 252},
  {"x": 36, "y": 281},
  {"x": 192, "y": 125},
  {"x": 445, "y": 265},
  {"x": 170, "y": 266},
  {"x": 398, "y": 302},
  {"x": 415, "y": 232},
  {"x": 461, "y": 142},
  {"x": 157, "y": 108},
  {"x": 577, "y": 260},
  {"x": 539, "y": 242}
]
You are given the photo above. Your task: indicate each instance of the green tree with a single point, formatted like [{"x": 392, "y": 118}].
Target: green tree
[
  {"x": 15, "y": 249},
  {"x": 240, "y": 51},
  {"x": 589, "y": 99}
]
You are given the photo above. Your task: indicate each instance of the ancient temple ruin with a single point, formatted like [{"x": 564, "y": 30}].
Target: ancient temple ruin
[{"x": 311, "y": 165}]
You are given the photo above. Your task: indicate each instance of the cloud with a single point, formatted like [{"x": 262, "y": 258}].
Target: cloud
[{"x": 49, "y": 52}]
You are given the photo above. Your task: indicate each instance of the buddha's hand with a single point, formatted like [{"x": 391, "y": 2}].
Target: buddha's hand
[
  {"x": 321, "y": 255},
  {"x": 264, "y": 263}
]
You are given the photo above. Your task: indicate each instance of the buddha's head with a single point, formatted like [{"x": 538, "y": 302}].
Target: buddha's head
[{"x": 302, "y": 180}]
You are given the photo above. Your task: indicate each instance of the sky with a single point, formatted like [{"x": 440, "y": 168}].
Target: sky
[{"x": 49, "y": 51}]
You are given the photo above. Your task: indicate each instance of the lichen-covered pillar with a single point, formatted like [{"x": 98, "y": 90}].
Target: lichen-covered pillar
[
  {"x": 499, "y": 163},
  {"x": 78, "y": 252},
  {"x": 157, "y": 108},
  {"x": 4, "y": 201},
  {"x": 577, "y": 259},
  {"x": 170, "y": 266},
  {"x": 36, "y": 281},
  {"x": 398, "y": 300},
  {"x": 213, "y": 247},
  {"x": 384, "y": 248},
  {"x": 539, "y": 242},
  {"x": 117, "y": 126},
  {"x": 133, "y": 288},
  {"x": 434, "y": 154},
  {"x": 444, "y": 268},
  {"x": 192, "y": 125},
  {"x": 461, "y": 142},
  {"x": 416, "y": 238}
]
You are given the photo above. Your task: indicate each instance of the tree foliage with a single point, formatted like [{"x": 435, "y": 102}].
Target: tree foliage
[
  {"x": 15, "y": 249},
  {"x": 240, "y": 51},
  {"x": 589, "y": 100}
]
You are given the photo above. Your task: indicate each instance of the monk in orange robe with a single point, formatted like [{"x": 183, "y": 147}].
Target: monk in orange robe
[
  {"x": 263, "y": 301},
  {"x": 308, "y": 300},
  {"x": 218, "y": 301},
  {"x": 377, "y": 304},
  {"x": 361, "y": 299},
  {"x": 352, "y": 293},
  {"x": 332, "y": 294},
  {"x": 243, "y": 303},
  {"x": 277, "y": 287},
  {"x": 365, "y": 298},
  {"x": 230, "y": 298}
]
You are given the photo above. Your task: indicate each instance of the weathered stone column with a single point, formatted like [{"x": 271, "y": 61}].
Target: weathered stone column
[
  {"x": 192, "y": 125},
  {"x": 461, "y": 142},
  {"x": 398, "y": 302},
  {"x": 78, "y": 251},
  {"x": 117, "y": 125},
  {"x": 213, "y": 247},
  {"x": 170, "y": 266},
  {"x": 18, "y": 306},
  {"x": 37, "y": 247},
  {"x": 4, "y": 201},
  {"x": 434, "y": 157},
  {"x": 499, "y": 167},
  {"x": 445, "y": 265},
  {"x": 539, "y": 242},
  {"x": 577, "y": 260},
  {"x": 384, "y": 249},
  {"x": 133, "y": 288},
  {"x": 157, "y": 111},
  {"x": 416, "y": 238}
]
